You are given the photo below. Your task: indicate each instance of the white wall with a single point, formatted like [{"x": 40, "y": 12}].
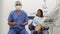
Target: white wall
[
  {"x": 7, "y": 6},
  {"x": 28, "y": 5}
]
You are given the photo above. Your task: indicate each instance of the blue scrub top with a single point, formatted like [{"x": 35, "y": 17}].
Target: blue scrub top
[{"x": 19, "y": 19}]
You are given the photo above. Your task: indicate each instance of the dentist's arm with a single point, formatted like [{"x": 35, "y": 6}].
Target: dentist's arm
[
  {"x": 12, "y": 23},
  {"x": 10, "y": 19},
  {"x": 25, "y": 20}
]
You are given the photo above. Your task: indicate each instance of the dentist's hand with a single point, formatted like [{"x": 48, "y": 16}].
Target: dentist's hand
[
  {"x": 25, "y": 23},
  {"x": 14, "y": 23}
]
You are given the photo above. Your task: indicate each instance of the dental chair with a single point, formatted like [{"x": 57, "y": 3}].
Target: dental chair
[{"x": 31, "y": 27}]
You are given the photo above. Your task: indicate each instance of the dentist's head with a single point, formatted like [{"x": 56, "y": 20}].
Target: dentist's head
[{"x": 18, "y": 5}]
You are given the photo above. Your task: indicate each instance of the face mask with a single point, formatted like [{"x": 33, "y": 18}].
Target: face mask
[{"x": 18, "y": 7}]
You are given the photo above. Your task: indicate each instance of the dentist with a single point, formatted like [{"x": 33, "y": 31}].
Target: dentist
[{"x": 17, "y": 20}]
